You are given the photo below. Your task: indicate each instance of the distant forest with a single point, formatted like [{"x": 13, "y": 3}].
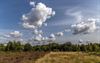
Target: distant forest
[{"x": 68, "y": 46}]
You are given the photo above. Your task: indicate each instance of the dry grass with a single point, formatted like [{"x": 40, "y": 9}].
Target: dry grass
[
  {"x": 52, "y": 57},
  {"x": 20, "y": 57},
  {"x": 69, "y": 57}
]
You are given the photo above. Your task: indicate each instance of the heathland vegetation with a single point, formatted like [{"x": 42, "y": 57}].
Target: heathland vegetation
[{"x": 15, "y": 52}]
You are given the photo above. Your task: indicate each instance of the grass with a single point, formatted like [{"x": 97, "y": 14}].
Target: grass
[
  {"x": 69, "y": 57},
  {"x": 52, "y": 57},
  {"x": 20, "y": 57}
]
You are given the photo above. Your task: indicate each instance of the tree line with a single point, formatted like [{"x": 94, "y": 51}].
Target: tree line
[{"x": 68, "y": 46}]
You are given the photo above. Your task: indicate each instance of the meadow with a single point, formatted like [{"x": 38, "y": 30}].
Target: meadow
[
  {"x": 70, "y": 57},
  {"x": 49, "y": 57},
  {"x": 20, "y": 57}
]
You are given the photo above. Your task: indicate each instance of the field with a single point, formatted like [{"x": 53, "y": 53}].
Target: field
[
  {"x": 20, "y": 57},
  {"x": 70, "y": 57},
  {"x": 46, "y": 57}
]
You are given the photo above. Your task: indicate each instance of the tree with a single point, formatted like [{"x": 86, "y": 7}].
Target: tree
[
  {"x": 27, "y": 47},
  {"x": 66, "y": 46},
  {"x": 2, "y": 47},
  {"x": 18, "y": 46},
  {"x": 10, "y": 46},
  {"x": 53, "y": 47},
  {"x": 96, "y": 47},
  {"x": 83, "y": 48},
  {"x": 13, "y": 46}
]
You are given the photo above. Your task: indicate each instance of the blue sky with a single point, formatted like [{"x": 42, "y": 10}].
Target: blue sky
[{"x": 11, "y": 12}]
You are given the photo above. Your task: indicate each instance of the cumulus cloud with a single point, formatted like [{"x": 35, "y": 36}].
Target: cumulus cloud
[
  {"x": 52, "y": 37},
  {"x": 37, "y": 31},
  {"x": 37, "y": 16},
  {"x": 84, "y": 26},
  {"x": 45, "y": 38},
  {"x": 80, "y": 41},
  {"x": 15, "y": 34},
  {"x": 32, "y": 3},
  {"x": 59, "y": 34},
  {"x": 94, "y": 19},
  {"x": 26, "y": 25},
  {"x": 67, "y": 30},
  {"x": 38, "y": 37},
  {"x": 83, "y": 23},
  {"x": 40, "y": 32}
]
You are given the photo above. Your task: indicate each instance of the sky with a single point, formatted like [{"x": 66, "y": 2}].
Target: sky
[{"x": 58, "y": 20}]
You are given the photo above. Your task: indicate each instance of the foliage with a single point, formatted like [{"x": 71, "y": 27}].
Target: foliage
[
  {"x": 68, "y": 46},
  {"x": 27, "y": 47}
]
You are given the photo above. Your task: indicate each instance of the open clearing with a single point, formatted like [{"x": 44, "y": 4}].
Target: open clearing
[
  {"x": 69, "y": 57},
  {"x": 46, "y": 57},
  {"x": 20, "y": 57}
]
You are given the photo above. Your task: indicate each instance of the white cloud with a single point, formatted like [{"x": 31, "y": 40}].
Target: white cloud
[
  {"x": 52, "y": 37},
  {"x": 40, "y": 32},
  {"x": 15, "y": 34},
  {"x": 37, "y": 16},
  {"x": 83, "y": 23},
  {"x": 9, "y": 36},
  {"x": 37, "y": 31},
  {"x": 80, "y": 41},
  {"x": 67, "y": 30},
  {"x": 84, "y": 26},
  {"x": 26, "y": 25},
  {"x": 32, "y": 3},
  {"x": 94, "y": 19},
  {"x": 45, "y": 38},
  {"x": 59, "y": 34},
  {"x": 39, "y": 37}
]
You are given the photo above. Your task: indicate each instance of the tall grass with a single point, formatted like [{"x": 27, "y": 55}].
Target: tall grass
[
  {"x": 20, "y": 57},
  {"x": 69, "y": 57}
]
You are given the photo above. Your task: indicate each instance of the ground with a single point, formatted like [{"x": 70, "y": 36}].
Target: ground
[
  {"x": 49, "y": 57},
  {"x": 20, "y": 57},
  {"x": 69, "y": 57}
]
